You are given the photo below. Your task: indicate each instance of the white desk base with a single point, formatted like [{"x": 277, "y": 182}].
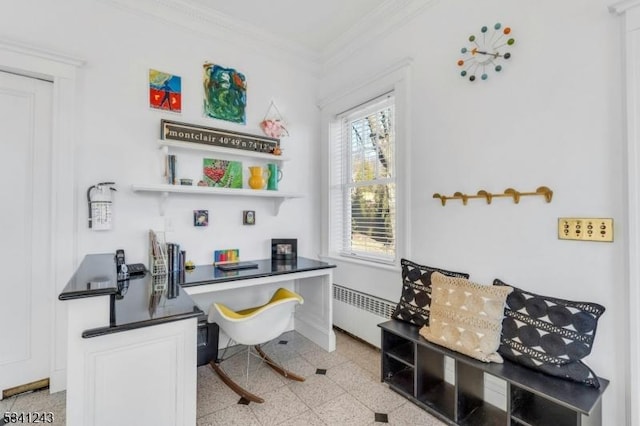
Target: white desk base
[
  {"x": 313, "y": 319},
  {"x": 145, "y": 376}
]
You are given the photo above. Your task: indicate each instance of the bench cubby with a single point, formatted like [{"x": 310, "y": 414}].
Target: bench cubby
[{"x": 415, "y": 368}]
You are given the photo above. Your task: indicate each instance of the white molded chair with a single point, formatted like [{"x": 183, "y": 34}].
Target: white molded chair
[{"x": 253, "y": 327}]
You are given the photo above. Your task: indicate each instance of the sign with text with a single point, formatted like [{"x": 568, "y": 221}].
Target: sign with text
[{"x": 172, "y": 130}]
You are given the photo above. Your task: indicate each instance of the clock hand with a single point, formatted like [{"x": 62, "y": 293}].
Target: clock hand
[{"x": 495, "y": 55}]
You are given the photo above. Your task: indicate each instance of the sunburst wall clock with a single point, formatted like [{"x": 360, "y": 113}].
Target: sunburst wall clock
[{"x": 485, "y": 52}]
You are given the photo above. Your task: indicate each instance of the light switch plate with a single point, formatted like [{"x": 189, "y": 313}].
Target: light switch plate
[{"x": 585, "y": 229}]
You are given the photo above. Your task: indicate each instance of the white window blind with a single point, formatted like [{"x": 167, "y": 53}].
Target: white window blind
[{"x": 363, "y": 182}]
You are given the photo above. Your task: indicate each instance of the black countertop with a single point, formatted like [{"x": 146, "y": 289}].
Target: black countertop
[
  {"x": 96, "y": 276},
  {"x": 140, "y": 301},
  {"x": 143, "y": 301},
  {"x": 209, "y": 274}
]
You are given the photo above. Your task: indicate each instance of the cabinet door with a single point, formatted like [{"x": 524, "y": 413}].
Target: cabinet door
[{"x": 143, "y": 376}]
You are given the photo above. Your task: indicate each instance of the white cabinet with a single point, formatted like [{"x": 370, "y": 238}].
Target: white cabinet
[
  {"x": 164, "y": 190},
  {"x": 134, "y": 377}
]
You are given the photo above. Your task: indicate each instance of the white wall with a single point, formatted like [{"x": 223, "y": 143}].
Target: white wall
[
  {"x": 553, "y": 117},
  {"x": 117, "y": 131}
]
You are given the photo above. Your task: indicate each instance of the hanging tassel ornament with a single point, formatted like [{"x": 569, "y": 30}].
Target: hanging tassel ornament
[{"x": 272, "y": 124}]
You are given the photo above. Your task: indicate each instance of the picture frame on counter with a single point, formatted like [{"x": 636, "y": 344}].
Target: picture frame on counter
[{"x": 284, "y": 249}]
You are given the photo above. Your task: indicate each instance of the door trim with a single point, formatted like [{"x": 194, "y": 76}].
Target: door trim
[
  {"x": 33, "y": 61},
  {"x": 629, "y": 10}
]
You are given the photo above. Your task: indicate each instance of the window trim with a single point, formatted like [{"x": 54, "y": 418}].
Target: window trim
[
  {"x": 395, "y": 79},
  {"x": 341, "y": 145}
]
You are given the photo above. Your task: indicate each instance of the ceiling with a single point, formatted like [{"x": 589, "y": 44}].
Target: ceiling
[
  {"x": 312, "y": 34},
  {"x": 312, "y": 24}
]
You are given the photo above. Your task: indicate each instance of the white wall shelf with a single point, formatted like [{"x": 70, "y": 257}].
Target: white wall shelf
[
  {"x": 165, "y": 189},
  {"x": 166, "y": 144}
]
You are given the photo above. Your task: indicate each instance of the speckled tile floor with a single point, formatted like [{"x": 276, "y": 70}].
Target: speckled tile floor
[
  {"x": 348, "y": 393},
  {"x": 40, "y": 402}
]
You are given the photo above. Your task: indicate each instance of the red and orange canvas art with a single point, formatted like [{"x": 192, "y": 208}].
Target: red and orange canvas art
[{"x": 165, "y": 91}]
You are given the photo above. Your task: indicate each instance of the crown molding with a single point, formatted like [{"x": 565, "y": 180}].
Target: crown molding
[
  {"x": 378, "y": 23},
  {"x": 622, "y": 6},
  {"x": 193, "y": 17},
  {"x": 208, "y": 22}
]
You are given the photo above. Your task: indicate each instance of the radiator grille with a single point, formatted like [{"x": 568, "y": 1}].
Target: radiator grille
[{"x": 380, "y": 307}]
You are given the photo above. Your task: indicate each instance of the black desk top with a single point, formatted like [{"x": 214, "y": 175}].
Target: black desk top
[
  {"x": 209, "y": 274},
  {"x": 145, "y": 300},
  {"x": 140, "y": 301},
  {"x": 96, "y": 276}
]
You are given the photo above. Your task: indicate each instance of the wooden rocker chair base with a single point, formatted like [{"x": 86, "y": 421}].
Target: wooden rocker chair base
[
  {"x": 233, "y": 385},
  {"x": 277, "y": 367},
  {"x": 242, "y": 391}
]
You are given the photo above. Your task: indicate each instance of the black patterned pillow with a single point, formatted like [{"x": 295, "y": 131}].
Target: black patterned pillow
[
  {"x": 548, "y": 334},
  {"x": 415, "y": 300}
]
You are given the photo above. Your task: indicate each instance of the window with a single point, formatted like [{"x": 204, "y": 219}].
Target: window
[{"x": 363, "y": 182}]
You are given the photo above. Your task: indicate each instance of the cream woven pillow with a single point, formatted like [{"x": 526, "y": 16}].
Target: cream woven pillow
[{"x": 466, "y": 317}]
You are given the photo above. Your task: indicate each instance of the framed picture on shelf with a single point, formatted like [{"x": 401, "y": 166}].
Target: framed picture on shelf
[
  {"x": 222, "y": 173},
  {"x": 284, "y": 249}
]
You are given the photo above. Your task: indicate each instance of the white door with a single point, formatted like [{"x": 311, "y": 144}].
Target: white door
[{"x": 26, "y": 287}]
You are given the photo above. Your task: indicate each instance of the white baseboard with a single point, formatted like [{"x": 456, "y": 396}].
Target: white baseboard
[{"x": 58, "y": 381}]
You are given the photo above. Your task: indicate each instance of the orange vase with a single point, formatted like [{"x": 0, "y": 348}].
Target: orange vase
[{"x": 257, "y": 179}]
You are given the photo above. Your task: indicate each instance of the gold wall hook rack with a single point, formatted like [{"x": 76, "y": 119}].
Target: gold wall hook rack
[{"x": 509, "y": 192}]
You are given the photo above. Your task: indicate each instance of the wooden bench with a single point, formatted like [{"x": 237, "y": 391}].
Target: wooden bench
[{"x": 415, "y": 368}]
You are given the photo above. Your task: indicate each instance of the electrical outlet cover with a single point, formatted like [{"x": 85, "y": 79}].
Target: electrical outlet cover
[{"x": 585, "y": 229}]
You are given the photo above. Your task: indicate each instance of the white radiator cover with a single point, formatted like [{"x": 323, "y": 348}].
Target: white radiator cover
[{"x": 359, "y": 314}]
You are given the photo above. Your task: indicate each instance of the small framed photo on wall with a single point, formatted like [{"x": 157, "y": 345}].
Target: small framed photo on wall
[
  {"x": 249, "y": 217},
  {"x": 284, "y": 249},
  {"x": 201, "y": 218}
]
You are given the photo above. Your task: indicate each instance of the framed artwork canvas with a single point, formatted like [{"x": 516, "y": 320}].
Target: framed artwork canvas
[
  {"x": 165, "y": 91},
  {"x": 222, "y": 173},
  {"x": 225, "y": 93}
]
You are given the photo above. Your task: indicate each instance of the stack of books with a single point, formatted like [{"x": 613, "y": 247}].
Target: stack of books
[
  {"x": 175, "y": 257},
  {"x": 170, "y": 169}
]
